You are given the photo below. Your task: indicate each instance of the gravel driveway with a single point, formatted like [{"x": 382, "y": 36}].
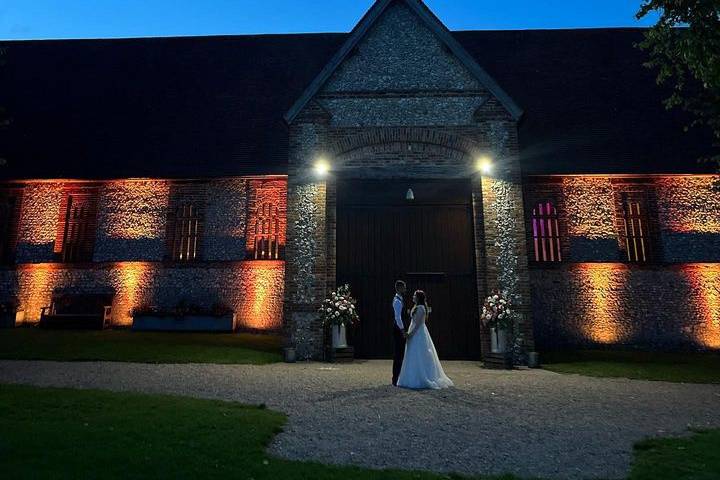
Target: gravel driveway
[{"x": 530, "y": 423}]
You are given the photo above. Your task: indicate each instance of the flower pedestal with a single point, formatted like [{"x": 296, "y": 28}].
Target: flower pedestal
[
  {"x": 337, "y": 312},
  {"x": 339, "y": 336},
  {"x": 498, "y": 340},
  {"x": 339, "y": 351},
  {"x": 340, "y": 355},
  {"x": 499, "y": 357}
]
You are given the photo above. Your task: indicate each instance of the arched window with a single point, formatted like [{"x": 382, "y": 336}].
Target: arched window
[
  {"x": 267, "y": 233},
  {"x": 546, "y": 232}
]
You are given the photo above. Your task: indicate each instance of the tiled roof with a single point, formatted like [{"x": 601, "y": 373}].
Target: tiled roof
[{"x": 214, "y": 106}]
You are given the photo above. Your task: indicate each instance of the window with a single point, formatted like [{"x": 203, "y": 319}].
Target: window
[
  {"x": 186, "y": 233},
  {"x": 77, "y": 229},
  {"x": 635, "y": 233},
  {"x": 266, "y": 233},
  {"x": 8, "y": 209},
  {"x": 546, "y": 233}
]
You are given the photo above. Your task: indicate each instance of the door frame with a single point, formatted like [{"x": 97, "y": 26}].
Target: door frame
[{"x": 456, "y": 192}]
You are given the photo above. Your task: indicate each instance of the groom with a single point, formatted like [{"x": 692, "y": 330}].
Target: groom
[{"x": 398, "y": 329}]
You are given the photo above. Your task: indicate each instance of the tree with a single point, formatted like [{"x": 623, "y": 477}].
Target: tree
[{"x": 684, "y": 46}]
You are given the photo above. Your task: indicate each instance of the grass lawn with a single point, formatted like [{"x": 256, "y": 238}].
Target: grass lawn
[
  {"x": 669, "y": 367},
  {"x": 53, "y": 433},
  {"x": 693, "y": 458},
  {"x": 128, "y": 346},
  {"x": 57, "y": 433}
]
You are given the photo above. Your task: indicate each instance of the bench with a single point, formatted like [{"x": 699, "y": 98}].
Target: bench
[{"x": 78, "y": 311}]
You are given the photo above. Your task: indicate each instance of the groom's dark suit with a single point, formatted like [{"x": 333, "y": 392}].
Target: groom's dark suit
[{"x": 398, "y": 336}]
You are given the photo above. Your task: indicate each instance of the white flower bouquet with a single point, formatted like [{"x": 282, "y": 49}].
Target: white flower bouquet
[
  {"x": 497, "y": 311},
  {"x": 340, "y": 308}
]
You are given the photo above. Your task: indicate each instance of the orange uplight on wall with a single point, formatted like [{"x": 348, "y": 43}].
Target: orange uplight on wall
[
  {"x": 131, "y": 290},
  {"x": 262, "y": 302},
  {"x": 135, "y": 209},
  {"x": 40, "y": 210},
  {"x": 599, "y": 283},
  {"x": 689, "y": 204},
  {"x": 590, "y": 211},
  {"x": 35, "y": 287},
  {"x": 704, "y": 279}
]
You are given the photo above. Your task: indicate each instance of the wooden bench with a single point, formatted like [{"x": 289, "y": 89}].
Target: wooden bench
[{"x": 78, "y": 311}]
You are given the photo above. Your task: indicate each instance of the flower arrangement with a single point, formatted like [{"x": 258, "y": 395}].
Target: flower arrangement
[
  {"x": 340, "y": 308},
  {"x": 497, "y": 312}
]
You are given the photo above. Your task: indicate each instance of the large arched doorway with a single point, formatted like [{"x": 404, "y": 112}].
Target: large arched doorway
[{"x": 428, "y": 242}]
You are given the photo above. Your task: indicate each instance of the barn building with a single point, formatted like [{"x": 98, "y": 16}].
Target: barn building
[{"x": 259, "y": 172}]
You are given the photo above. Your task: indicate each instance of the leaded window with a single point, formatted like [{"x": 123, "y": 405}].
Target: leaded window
[
  {"x": 267, "y": 233},
  {"x": 546, "y": 232},
  {"x": 186, "y": 233},
  {"x": 78, "y": 227},
  {"x": 635, "y": 232}
]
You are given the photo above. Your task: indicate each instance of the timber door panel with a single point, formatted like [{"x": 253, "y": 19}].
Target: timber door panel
[{"x": 428, "y": 243}]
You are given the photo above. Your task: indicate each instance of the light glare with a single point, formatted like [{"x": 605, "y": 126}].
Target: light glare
[
  {"x": 322, "y": 167},
  {"x": 484, "y": 165}
]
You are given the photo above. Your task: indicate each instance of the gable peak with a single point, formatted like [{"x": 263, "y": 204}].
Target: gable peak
[{"x": 425, "y": 15}]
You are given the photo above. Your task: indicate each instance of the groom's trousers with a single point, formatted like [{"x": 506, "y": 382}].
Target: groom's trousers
[{"x": 399, "y": 353}]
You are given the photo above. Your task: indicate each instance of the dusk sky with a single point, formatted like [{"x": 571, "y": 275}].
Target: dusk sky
[{"x": 33, "y": 19}]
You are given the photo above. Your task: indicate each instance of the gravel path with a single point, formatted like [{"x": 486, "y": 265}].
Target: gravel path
[{"x": 530, "y": 423}]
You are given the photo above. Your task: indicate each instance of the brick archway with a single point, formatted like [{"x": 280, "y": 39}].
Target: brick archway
[
  {"x": 360, "y": 144},
  {"x": 413, "y": 154}
]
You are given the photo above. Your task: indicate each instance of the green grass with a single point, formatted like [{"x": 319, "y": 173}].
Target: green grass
[
  {"x": 693, "y": 458},
  {"x": 128, "y": 346},
  {"x": 54, "y": 433},
  {"x": 669, "y": 367},
  {"x": 57, "y": 433}
]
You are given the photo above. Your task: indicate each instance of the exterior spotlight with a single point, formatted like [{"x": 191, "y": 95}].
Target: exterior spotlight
[
  {"x": 484, "y": 165},
  {"x": 322, "y": 167}
]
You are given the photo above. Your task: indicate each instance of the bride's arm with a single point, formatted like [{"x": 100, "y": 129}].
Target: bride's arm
[{"x": 416, "y": 320}]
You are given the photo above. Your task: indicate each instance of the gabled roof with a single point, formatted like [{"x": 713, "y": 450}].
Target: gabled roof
[
  {"x": 435, "y": 26},
  {"x": 214, "y": 106}
]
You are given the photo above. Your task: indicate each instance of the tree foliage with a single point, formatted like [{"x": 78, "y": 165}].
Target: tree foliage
[{"x": 684, "y": 47}]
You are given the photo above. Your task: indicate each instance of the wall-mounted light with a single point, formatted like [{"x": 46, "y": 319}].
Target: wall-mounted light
[
  {"x": 321, "y": 167},
  {"x": 410, "y": 195},
  {"x": 484, "y": 165}
]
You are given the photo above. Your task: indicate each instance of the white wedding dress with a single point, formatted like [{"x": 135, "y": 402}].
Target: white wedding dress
[{"x": 421, "y": 367}]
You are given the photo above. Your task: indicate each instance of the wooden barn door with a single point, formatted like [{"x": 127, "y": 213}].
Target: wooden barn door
[{"x": 428, "y": 242}]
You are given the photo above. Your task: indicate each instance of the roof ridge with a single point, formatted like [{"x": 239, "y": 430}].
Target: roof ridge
[
  {"x": 301, "y": 34},
  {"x": 172, "y": 37}
]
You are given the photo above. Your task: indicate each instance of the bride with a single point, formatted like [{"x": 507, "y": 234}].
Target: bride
[{"x": 421, "y": 368}]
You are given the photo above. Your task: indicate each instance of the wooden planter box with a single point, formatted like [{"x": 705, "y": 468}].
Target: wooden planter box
[{"x": 189, "y": 323}]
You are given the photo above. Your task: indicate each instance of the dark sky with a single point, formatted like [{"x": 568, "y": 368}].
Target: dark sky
[{"x": 25, "y": 19}]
